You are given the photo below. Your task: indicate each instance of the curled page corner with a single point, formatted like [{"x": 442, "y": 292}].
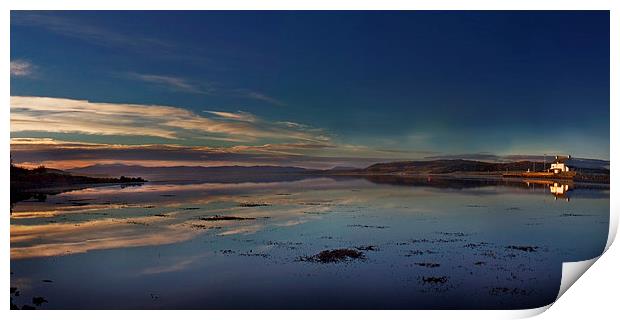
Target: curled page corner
[
  {"x": 571, "y": 271},
  {"x": 613, "y": 229},
  {"x": 528, "y": 313}
]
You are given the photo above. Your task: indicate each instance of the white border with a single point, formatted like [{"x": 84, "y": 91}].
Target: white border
[
  {"x": 603, "y": 289},
  {"x": 314, "y": 5}
]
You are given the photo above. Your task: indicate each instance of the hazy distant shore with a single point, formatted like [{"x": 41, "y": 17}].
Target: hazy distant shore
[
  {"x": 468, "y": 169},
  {"x": 468, "y": 175},
  {"x": 26, "y": 182}
]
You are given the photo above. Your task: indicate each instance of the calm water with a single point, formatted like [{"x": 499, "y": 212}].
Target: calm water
[{"x": 426, "y": 244}]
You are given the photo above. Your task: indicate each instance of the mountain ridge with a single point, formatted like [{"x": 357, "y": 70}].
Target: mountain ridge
[{"x": 442, "y": 166}]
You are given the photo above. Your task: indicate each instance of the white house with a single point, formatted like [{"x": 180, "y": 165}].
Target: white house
[{"x": 559, "y": 165}]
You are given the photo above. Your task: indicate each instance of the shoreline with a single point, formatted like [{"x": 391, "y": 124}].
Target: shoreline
[
  {"x": 18, "y": 195},
  {"x": 78, "y": 186},
  {"x": 494, "y": 176}
]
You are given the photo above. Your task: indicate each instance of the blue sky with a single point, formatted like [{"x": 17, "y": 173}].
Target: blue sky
[{"x": 394, "y": 85}]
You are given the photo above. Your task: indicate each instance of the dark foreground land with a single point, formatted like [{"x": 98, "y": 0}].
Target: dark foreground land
[{"x": 38, "y": 182}]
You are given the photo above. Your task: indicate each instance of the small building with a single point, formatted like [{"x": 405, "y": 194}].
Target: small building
[{"x": 559, "y": 166}]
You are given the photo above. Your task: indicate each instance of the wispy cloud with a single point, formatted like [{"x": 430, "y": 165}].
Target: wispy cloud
[
  {"x": 181, "y": 84},
  {"x": 64, "y": 155},
  {"x": 171, "y": 83},
  {"x": 239, "y": 115},
  {"x": 262, "y": 97},
  {"x": 21, "y": 68},
  {"x": 173, "y": 123},
  {"x": 256, "y": 95},
  {"x": 73, "y": 25},
  {"x": 69, "y": 25},
  {"x": 84, "y": 31}
]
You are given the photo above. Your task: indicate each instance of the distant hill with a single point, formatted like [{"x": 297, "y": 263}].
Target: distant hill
[
  {"x": 275, "y": 173},
  {"x": 573, "y": 161},
  {"x": 196, "y": 173},
  {"x": 459, "y": 165},
  {"x": 588, "y": 163},
  {"x": 338, "y": 168}
]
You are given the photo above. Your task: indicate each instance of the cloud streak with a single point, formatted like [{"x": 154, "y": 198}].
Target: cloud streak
[
  {"x": 89, "y": 33},
  {"x": 179, "y": 84},
  {"x": 168, "y": 123},
  {"x": 262, "y": 97},
  {"x": 66, "y": 155},
  {"x": 54, "y": 131},
  {"x": 21, "y": 68},
  {"x": 69, "y": 26},
  {"x": 171, "y": 83},
  {"x": 238, "y": 116}
]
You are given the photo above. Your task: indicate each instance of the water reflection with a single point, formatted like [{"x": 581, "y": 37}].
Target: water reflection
[
  {"x": 557, "y": 189},
  {"x": 498, "y": 241}
]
